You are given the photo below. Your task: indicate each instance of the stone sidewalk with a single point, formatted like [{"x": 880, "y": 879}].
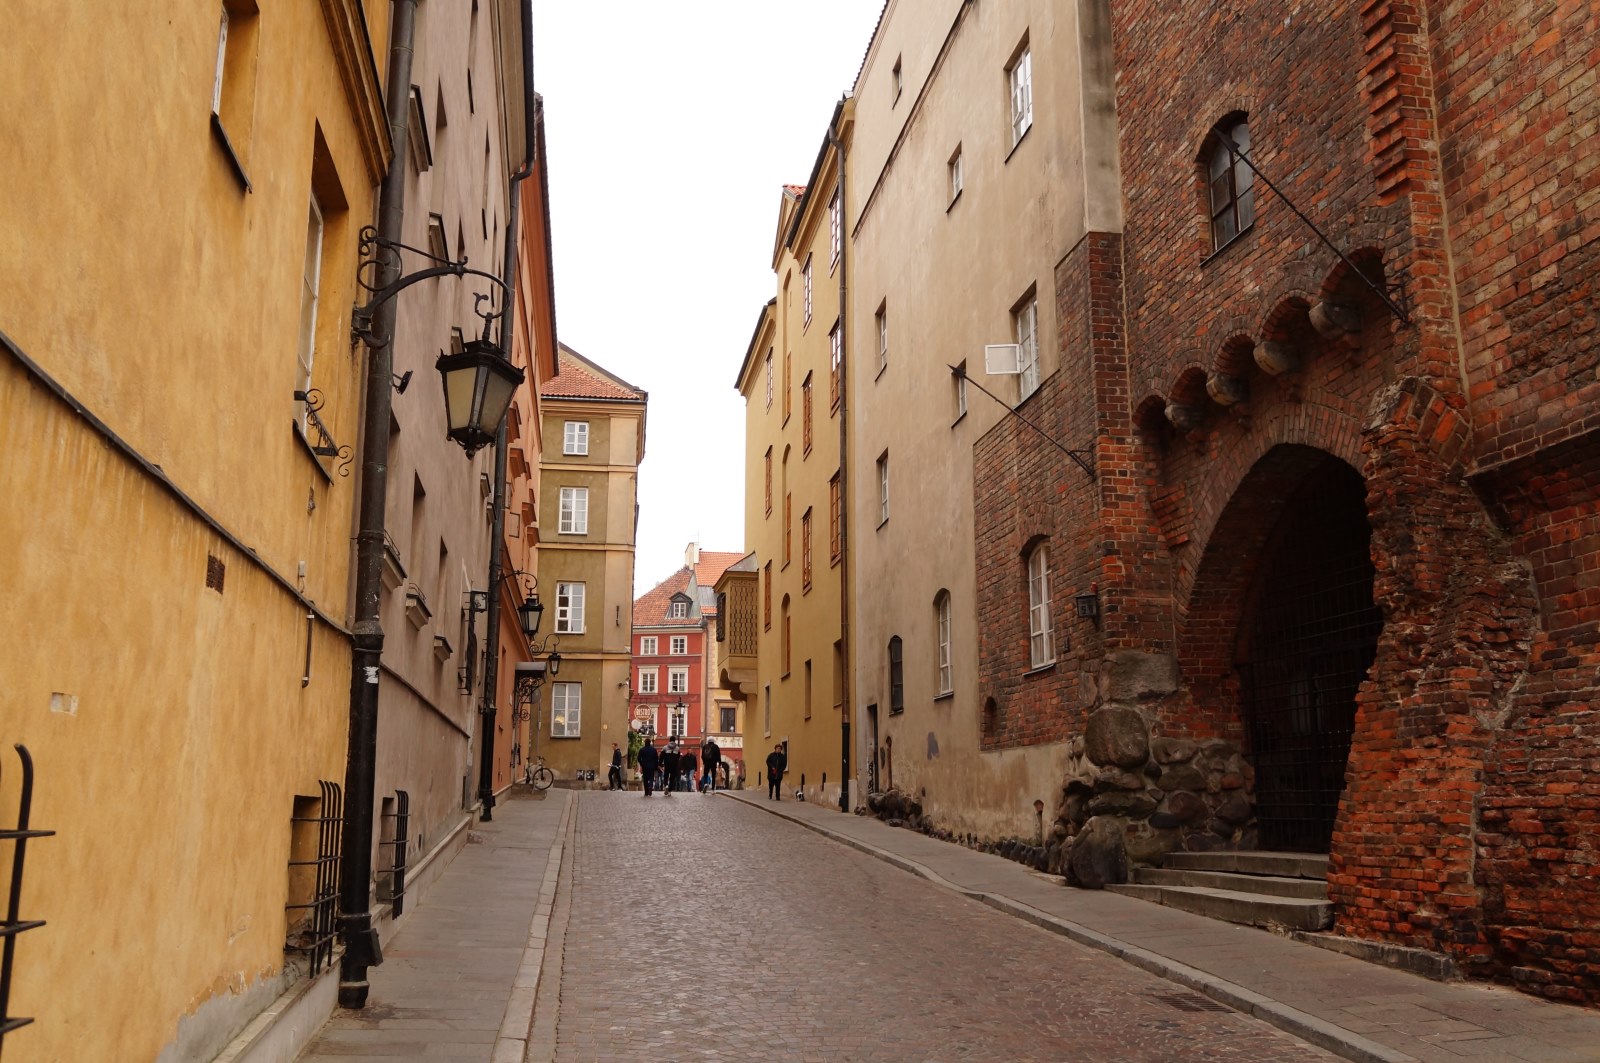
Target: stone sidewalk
[
  {"x": 1358, "y": 1010},
  {"x": 458, "y": 981}
]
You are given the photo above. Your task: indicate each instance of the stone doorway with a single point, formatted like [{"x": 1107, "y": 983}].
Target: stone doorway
[{"x": 1308, "y": 635}]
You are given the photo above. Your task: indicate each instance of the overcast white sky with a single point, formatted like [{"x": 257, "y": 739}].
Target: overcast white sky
[{"x": 671, "y": 127}]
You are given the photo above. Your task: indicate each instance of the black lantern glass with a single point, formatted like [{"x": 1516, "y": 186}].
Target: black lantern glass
[
  {"x": 529, "y": 613},
  {"x": 478, "y": 385},
  {"x": 555, "y": 663}
]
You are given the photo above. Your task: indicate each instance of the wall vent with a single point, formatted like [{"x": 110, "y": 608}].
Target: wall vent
[{"x": 215, "y": 571}]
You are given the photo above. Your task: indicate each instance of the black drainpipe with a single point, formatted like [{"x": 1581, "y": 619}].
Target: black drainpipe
[
  {"x": 361, "y": 949},
  {"x": 844, "y": 489},
  {"x": 497, "y": 524}
]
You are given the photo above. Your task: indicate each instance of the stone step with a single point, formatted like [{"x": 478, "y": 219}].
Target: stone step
[
  {"x": 1250, "y": 909},
  {"x": 1283, "y": 865},
  {"x": 1306, "y": 889}
]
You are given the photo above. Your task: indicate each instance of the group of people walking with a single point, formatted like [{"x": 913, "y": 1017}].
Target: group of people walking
[{"x": 677, "y": 768}]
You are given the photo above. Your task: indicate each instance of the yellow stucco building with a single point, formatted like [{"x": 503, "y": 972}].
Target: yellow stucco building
[
  {"x": 183, "y": 228},
  {"x": 594, "y": 431},
  {"x": 793, "y": 380}
]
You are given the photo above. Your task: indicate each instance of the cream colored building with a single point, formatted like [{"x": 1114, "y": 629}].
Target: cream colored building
[
  {"x": 594, "y": 432},
  {"x": 793, "y": 386},
  {"x": 182, "y": 231},
  {"x": 984, "y": 149}
]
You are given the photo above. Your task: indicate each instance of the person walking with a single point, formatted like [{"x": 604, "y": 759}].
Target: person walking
[
  {"x": 710, "y": 760},
  {"x": 669, "y": 768},
  {"x": 777, "y": 764},
  {"x": 687, "y": 768},
  {"x": 614, "y": 776},
  {"x": 647, "y": 766}
]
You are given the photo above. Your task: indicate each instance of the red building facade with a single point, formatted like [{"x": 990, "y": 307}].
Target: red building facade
[{"x": 1338, "y": 559}]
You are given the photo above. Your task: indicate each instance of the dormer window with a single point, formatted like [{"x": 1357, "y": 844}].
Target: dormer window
[
  {"x": 678, "y": 610},
  {"x": 1230, "y": 182}
]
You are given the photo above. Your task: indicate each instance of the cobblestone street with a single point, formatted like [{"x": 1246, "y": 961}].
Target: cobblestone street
[{"x": 699, "y": 928}]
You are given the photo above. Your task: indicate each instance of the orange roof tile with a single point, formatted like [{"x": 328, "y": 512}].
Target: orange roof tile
[
  {"x": 795, "y": 190},
  {"x": 650, "y": 608},
  {"x": 575, "y": 380}
]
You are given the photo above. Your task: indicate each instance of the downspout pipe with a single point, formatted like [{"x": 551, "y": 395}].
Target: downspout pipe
[
  {"x": 489, "y": 711},
  {"x": 844, "y": 482},
  {"x": 360, "y": 938}
]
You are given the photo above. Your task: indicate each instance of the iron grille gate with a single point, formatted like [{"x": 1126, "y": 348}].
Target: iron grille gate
[
  {"x": 14, "y": 924},
  {"x": 1313, "y": 637},
  {"x": 317, "y": 939},
  {"x": 397, "y": 845}
]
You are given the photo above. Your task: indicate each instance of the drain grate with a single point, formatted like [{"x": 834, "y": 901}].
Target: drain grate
[{"x": 1191, "y": 1002}]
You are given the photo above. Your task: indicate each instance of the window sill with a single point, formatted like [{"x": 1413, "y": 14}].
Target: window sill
[
  {"x": 559, "y": 738},
  {"x": 1020, "y": 141},
  {"x": 305, "y": 448},
  {"x": 957, "y": 198},
  {"x": 1043, "y": 669},
  {"x": 806, "y": 453},
  {"x": 882, "y": 522},
  {"x": 948, "y": 695},
  {"x": 833, "y": 562},
  {"x": 959, "y": 419},
  {"x": 226, "y": 145},
  {"x": 1219, "y": 252},
  {"x": 575, "y": 632},
  {"x": 805, "y": 589},
  {"x": 882, "y": 369}
]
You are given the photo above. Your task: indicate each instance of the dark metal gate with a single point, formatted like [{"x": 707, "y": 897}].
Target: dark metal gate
[
  {"x": 1312, "y": 636},
  {"x": 316, "y": 937},
  {"x": 14, "y": 924}
]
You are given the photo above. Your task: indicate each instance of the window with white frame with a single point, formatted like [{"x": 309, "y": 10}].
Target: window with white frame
[
  {"x": 569, "y": 608},
  {"x": 1025, "y": 322},
  {"x": 566, "y": 710},
  {"x": 680, "y": 645},
  {"x": 769, "y": 379},
  {"x": 574, "y": 511},
  {"x": 941, "y": 609},
  {"x": 836, "y": 364},
  {"x": 805, "y": 277},
  {"x": 766, "y": 710},
  {"x": 678, "y": 610},
  {"x": 883, "y": 488},
  {"x": 836, "y": 227},
  {"x": 883, "y": 335},
  {"x": 647, "y": 646},
  {"x": 955, "y": 174},
  {"x": 1020, "y": 76},
  {"x": 576, "y": 438},
  {"x": 648, "y": 680},
  {"x": 1041, "y": 632},
  {"x": 678, "y": 721},
  {"x": 677, "y": 681},
  {"x": 310, "y": 283}
]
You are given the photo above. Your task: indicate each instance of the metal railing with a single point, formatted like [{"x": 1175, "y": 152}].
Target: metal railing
[
  {"x": 317, "y": 940},
  {"x": 14, "y": 923}
]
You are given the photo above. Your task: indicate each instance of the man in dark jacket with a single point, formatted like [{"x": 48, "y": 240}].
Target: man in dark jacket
[
  {"x": 777, "y": 764},
  {"x": 614, "y": 776},
  {"x": 648, "y": 763},
  {"x": 686, "y": 769},
  {"x": 710, "y": 760},
  {"x": 669, "y": 768}
]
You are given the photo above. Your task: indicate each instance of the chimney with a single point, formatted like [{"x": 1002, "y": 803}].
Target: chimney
[{"x": 691, "y": 554}]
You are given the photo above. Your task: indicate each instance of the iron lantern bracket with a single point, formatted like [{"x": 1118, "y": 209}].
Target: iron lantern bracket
[{"x": 377, "y": 253}]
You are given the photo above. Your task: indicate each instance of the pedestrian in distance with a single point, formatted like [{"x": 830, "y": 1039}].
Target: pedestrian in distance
[
  {"x": 710, "y": 760},
  {"x": 648, "y": 762},
  {"x": 669, "y": 768},
  {"x": 688, "y": 766},
  {"x": 614, "y": 776},
  {"x": 777, "y": 764}
]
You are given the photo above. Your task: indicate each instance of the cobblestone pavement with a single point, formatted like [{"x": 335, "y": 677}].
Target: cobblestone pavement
[{"x": 698, "y": 928}]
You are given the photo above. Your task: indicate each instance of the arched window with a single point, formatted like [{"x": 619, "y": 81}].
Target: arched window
[
  {"x": 941, "y": 615},
  {"x": 1041, "y": 631},
  {"x": 897, "y": 678},
  {"x": 786, "y": 634},
  {"x": 1230, "y": 182}
]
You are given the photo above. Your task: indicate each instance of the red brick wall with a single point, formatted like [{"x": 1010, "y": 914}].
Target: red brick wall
[{"x": 1450, "y": 146}]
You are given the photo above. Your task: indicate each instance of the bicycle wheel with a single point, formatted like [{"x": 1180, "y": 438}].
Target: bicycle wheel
[{"x": 542, "y": 778}]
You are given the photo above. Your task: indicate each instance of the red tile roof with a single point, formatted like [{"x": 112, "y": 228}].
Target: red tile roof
[
  {"x": 795, "y": 190},
  {"x": 578, "y": 378},
  {"x": 710, "y": 569},
  {"x": 650, "y": 608}
]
